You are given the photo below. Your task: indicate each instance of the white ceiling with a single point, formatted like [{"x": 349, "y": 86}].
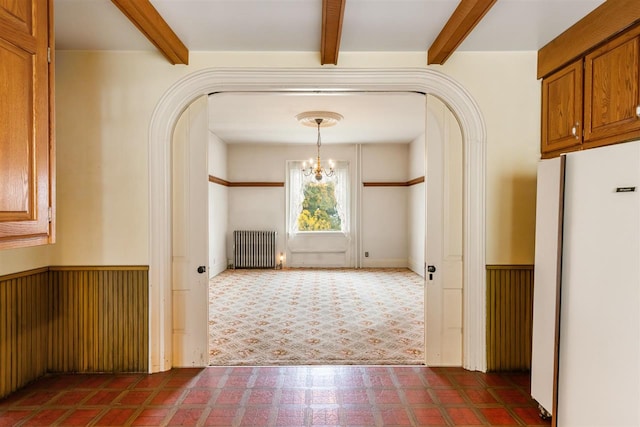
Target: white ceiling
[
  {"x": 295, "y": 25},
  {"x": 368, "y": 118}
]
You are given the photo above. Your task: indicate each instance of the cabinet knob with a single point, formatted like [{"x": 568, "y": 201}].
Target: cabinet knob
[{"x": 574, "y": 130}]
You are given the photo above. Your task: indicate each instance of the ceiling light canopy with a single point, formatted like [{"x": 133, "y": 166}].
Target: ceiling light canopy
[{"x": 318, "y": 119}]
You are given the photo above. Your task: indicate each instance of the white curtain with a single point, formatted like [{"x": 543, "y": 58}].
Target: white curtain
[
  {"x": 296, "y": 195},
  {"x": 342, "y": 196}
]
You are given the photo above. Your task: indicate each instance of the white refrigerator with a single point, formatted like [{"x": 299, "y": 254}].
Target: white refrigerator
[{"x": 597, "y": 356}]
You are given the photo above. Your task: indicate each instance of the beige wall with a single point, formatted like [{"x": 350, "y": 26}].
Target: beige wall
[
  {"x": 104, "y": 103},
  {"x": 505, "y": 87}
]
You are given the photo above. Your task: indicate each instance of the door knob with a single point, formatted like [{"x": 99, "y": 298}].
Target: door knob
[
  {"x": 202, "y": 269},
  {"x": 431, "y": 269}
]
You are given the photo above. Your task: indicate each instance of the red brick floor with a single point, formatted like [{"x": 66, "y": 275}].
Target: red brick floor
[{"x": 277, "y": 396}]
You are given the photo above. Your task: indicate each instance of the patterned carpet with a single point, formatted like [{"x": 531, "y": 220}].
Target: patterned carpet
[{"x": 316, "y": 316}]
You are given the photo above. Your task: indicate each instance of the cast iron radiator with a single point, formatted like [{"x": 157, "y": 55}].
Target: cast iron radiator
[{"x": 254, "y": 249}]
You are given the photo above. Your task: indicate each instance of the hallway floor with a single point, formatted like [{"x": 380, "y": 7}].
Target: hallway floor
[{"x": 277, "y": 396}]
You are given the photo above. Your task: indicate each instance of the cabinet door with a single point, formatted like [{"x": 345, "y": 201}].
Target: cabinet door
[
  {"x": 562, "y": 110},
  {"x": 25, "y": 180},
  {"x": 611, "y": 91}
]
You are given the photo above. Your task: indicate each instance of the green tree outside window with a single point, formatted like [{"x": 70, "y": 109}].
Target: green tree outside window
[{"x": 319, "y": 211}]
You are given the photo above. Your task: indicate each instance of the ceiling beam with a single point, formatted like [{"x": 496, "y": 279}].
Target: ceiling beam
[
  {"x": 144, "y": 16},
  {"x": 332, "y": 14},
  {"x": 462, "y": 21}
]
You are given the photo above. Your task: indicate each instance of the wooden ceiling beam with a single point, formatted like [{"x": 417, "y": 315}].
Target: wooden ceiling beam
[
  {"x": 462, "y": 21},
  {"x": 144, "y": 16},
  {"x": 332, "y": 14}
]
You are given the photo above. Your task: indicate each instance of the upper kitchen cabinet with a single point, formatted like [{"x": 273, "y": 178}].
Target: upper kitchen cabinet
[
  {"x": 562, "y": 110},
  {"x": 612, "y": 93},
  {"x": 27, "y": 168}
]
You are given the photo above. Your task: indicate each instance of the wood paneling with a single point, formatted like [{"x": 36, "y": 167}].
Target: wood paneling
[
  {"x": 72, "y": 319},
  {"x": 99, "y": 319},
  {"x": 24, "y": 339},
  {"x": 609, "y": 19},
  {"x": 509, "y": 317}
]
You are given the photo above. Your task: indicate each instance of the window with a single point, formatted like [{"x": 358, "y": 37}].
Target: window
[{"x": 317, "y": 206}]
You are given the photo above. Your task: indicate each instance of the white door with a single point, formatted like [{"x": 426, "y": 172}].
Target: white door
[
  {"x": 190, "y": 237},
  {"x": 443, "y": 247}
]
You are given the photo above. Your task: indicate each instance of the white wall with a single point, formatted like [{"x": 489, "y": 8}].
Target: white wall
[
  {"x": 384, "y": 209},
  {"x": 264, "y": 208},
  {"x": 104, "y": 103},
  {"x": 416, "y": 207},
  {"x": 218, "y": 206}
]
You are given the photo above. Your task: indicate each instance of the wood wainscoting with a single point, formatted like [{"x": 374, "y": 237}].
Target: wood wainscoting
[
  {"x": 73, "y": 319},
  {"x": 509, "y": 317}
]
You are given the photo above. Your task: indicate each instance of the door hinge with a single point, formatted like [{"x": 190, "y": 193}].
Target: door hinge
[
  {"x": 49, "y": 213},
  {"x": 49, "y": 55}
]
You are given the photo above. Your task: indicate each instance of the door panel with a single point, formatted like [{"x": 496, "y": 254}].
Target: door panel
[
  {"x": 190, "y": 237},
  {"x": 443, "y": 299}
]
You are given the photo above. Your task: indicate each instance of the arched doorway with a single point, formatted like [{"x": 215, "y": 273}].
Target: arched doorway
[{"x": 181, "y": 94}]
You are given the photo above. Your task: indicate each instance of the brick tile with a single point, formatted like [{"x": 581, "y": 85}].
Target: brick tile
[
  {"x": 261, "y": 397},
  {"x": 410, "y": 381},
  {"x": 511, "y": 395},
  {"x": 197, "y": 397},
  {"x": 229, "y": 397},
  {"x": 358, "y": 416},
  {"x": 448, "y": 396},
  {"x": 167, "y": 397},
  {"x": 186, "y": 417},
  {"x": 134, "y": 397},
  {"x": 293, "y": 396},
  {"x": 354, "y": 396},
  {"x": 81, "y": 417},
  {"x": 437, "y": 380},
  {"x": 151, "y": 417},
  {"x": 382, "y": 397},
  {"x": 115, "y": 417},
  {"x": 11, "y": 417},
  {"x": 220, "y": 417},
  {"x": 254, "y": 417},
  {"x": 325, "y": 416},
  {"x": 418, "y": 396},
  {"x": 498, "y": 416},
  {"x": 289, "y": 417},
  {"x": 530, "y": 416},
  {"x": 103, "y": 397},
  {"x": 71, "y": 397},
  {"x": 123, "y": 382},
  {"x": 479, "y": 396},
  {"x": 46, "y": 417},
  {"x": 37, "y": 398},
  {"x": 319, "y": 397},
  {"x": 463, "y": 417},
  {"x": 395, "y": 416},
  {"x": 429, "y": 416}
]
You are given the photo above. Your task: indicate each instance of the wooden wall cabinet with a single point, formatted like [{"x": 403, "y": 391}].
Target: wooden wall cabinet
[
  {"x": 595, "y": 100},
  {"x": 562, "y": 101},
  {"x": 612, "y": 92},
  {"x": 27, "y": 168}
]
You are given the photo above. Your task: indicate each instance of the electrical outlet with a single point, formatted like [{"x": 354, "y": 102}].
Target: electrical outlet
[{"x": 366, "y": 254}]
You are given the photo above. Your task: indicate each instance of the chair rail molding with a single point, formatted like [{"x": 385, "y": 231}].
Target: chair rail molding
[{"x": 203, "y": 82}]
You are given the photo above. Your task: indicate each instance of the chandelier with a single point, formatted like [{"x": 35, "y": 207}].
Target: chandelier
[{"x": 318, "y": 119}]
